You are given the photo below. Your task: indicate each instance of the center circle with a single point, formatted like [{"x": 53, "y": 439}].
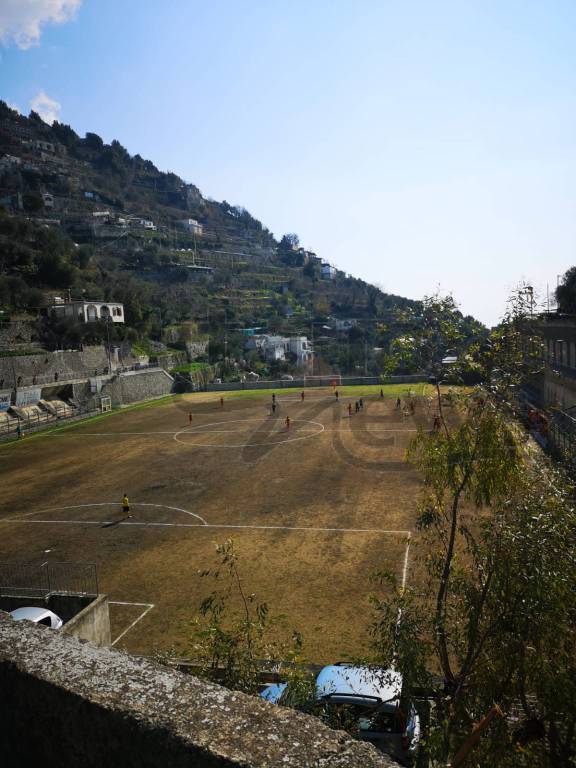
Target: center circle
[{"x": 191, "y": 431}]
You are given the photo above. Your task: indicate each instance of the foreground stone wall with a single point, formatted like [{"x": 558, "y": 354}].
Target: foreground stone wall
[{"x": 66, "y": 703}]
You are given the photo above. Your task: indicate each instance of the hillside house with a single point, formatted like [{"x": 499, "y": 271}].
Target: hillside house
[
  {"x": 327, "y": 272},
  {"x": 143, "y": 224},
  {"x": 38, "y": 145},
  {"x": 275, "y": 348},
  {"x": 8, "y": 162},
  {"x": 301, "y": 347},
  {"x": 344, "y": 324},
  {"x": 48, "y": 200},
  {"x": 191, "y": 226},
  {"x": 88, "y": 311}
]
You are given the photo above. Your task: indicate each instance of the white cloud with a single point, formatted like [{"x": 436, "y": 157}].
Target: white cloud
[
  {"x": 21, "y": 21},
  {"x": 47, "y": 108}
]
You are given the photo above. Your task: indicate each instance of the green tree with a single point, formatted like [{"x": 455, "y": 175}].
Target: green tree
[
  {"x": 566, "y": 292},
  {"x": 32, "y": 202},
  {"x": 498, "y": 529},
  {"x": 232, "y": 635}
]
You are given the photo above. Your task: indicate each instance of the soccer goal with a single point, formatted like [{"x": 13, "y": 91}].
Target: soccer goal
[
  {"x": 329, "y": 380},
  {"x": 105, "y": 403}
]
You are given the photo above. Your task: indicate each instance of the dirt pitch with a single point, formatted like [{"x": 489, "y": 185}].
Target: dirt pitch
[{"x": 313, "y": 510}]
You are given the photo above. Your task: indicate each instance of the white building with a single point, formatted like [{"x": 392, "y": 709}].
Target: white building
[
  {"x": 277, "y": 347},
  {"x": 144, "y": 224},
  {"x": 327, "y": 272},
  {"x": 301, "y": 347},
  {"x": 42, "y": 146},
  {"x": 9, "y": 161},
  {"x": 190, "y": 225},
  {"x": 89, "y": 311},
  {"x": 344, "y": 324}
]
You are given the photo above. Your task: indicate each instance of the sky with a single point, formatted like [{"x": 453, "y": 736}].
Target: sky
[{"x": 415, "y": 144}]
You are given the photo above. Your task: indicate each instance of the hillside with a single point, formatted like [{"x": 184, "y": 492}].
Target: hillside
[{"x": 82, "y": 218}]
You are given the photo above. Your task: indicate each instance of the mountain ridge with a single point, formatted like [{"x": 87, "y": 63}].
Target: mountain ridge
[{"x": 86, "y": 218}]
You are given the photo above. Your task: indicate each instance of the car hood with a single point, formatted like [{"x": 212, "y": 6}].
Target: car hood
[{"x": 342, "y": 679}]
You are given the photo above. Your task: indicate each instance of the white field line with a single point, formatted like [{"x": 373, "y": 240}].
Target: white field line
[
  {"x": 195, "y": 432},
  {"x": 200, "y": 430},
  {"x": 404, "y": 576},
  {"x": 148, "y": 607},
  {"x": 311, "y": 529},
  {"x": 405, "y": 567},
  {"x": 105, "y": 504}
]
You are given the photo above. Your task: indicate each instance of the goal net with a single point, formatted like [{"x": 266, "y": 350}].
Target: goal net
[{"x": 328, "y": 380}]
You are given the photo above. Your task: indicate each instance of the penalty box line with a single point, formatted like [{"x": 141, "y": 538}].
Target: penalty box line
[
  {"x": 147, "y": 607},
  {"x": 138, "y": 524}
]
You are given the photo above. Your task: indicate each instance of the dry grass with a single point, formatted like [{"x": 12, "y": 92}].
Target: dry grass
[{"x": 351, "y": 475}]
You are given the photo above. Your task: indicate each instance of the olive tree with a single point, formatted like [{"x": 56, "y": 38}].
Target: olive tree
[{"x": 492, "y": 617}]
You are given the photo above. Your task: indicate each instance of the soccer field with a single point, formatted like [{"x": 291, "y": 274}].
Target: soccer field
[{"x": 314, "y": 509}]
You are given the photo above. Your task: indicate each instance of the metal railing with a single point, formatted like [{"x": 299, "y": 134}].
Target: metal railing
[
  {"x": 40, "y": 419},
  {"x": 28, "y": 580},
  {"x": 317, "y": 381},
  {"x": 64, "y": 376}
]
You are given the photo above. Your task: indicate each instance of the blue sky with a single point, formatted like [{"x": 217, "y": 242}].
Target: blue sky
[{"x": 415, "y": 144}]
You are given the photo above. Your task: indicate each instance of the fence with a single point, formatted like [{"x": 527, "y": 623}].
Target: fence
[
  {"x": 65, "y": 376},
  {"x": 35, "y": 421},
  {"x": 27, "y": 580},
  {"x": 317, "y": 381}
]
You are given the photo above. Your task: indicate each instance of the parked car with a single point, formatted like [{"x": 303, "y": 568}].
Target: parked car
[
  {"x": 38, "y": 616},
  {"x": 370, "y": 698}
]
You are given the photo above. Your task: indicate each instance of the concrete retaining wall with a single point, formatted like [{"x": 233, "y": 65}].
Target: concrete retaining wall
[
  {"x": 138, "y": 386},
  {"x": 91, "y": 623},
  {"x": 86, "y": 618},
  {"x": 47, "y": 367},
  {"x": 66, "y": 703}
]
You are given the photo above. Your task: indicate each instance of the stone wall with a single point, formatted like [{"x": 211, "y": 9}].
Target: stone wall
[
  {"x": 196, "y": 349},
  {"x": 18, "y": 334},
  {"x": 67, "y": 703},
  {"x": 137, "y": 386},
  {"x": 45, "y": 367},
  {"x": 169, "y": 359}
]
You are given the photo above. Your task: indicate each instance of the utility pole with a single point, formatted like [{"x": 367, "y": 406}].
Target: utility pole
[
  {"x": 108, "y": 321},
  {"x": 312, "y": 341},
  {"x": 365, "y": 357}
]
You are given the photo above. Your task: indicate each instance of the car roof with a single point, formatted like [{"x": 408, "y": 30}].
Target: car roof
[
  {"x": 31, "y": 613},
  {"x": 345, "y": 679}
]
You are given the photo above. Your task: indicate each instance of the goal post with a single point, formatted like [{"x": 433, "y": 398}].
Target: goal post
[
  {"x": 105, "y": 403},
  {"x": 327, "y": 380}
]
